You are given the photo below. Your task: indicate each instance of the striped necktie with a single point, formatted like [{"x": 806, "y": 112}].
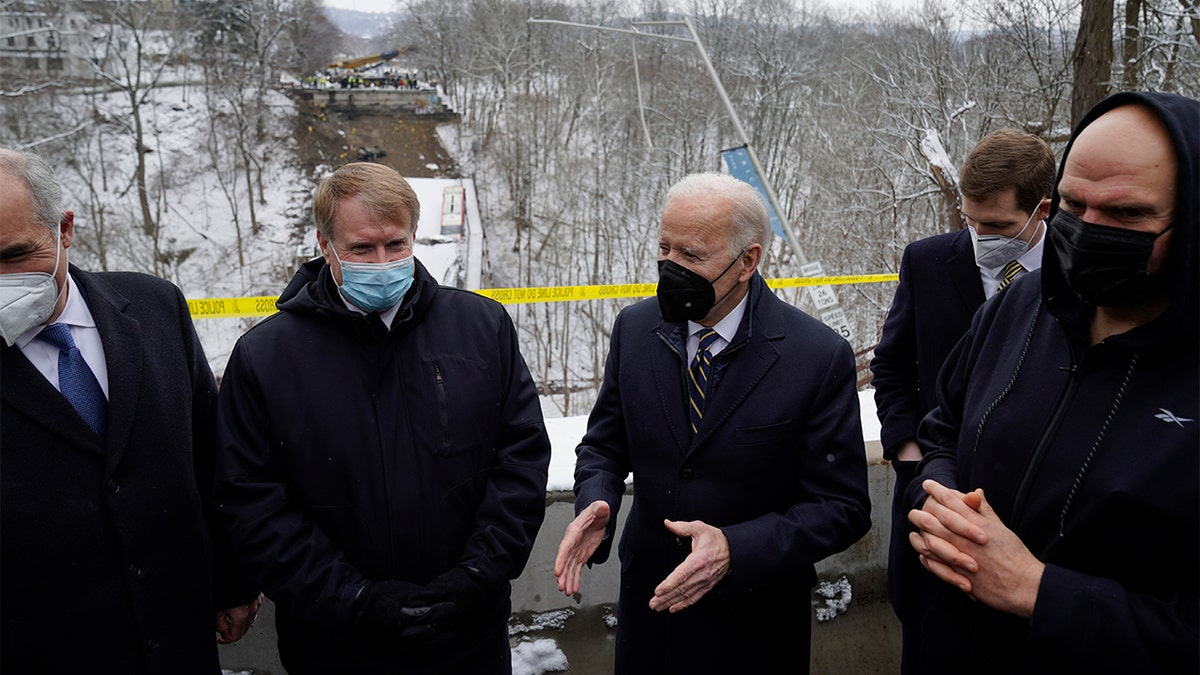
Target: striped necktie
[
  {"x": 76, "y": 380},
  {"x": 698, "y": 376},
  {"x": 1011, "y": 269}
]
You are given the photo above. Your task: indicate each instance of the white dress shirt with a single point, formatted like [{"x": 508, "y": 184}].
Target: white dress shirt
[
  {"x": 1030, "y": 260},
  {"x": 77, "y": 316},
  {"x": 726, "y": 328}
]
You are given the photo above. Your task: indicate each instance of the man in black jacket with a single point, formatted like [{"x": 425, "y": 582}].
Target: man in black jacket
[
  {"x": 1058, "y": 497},
  {"x": 106, "y": 428},
  {"x": 1006, "y": 182},
  {"x": 383, "y": 456}
]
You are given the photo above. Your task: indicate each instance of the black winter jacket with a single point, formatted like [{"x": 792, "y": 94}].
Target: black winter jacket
[
  {"x": 1090, "y": 453},
  {"x": 349, "y": 454}
]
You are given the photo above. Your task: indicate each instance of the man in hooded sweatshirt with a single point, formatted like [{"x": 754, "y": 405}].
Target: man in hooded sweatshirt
[
  {"x": 382, "y": 466},
  {"x": 1058, "y": 495},
  {"x": 1006, "y": 182}
]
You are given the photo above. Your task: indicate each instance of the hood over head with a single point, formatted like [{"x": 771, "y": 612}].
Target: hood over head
[{"x": 1181, "y": 117}]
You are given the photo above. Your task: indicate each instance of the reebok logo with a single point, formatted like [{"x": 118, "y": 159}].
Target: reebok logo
[{"x": 1171, "y": 418}]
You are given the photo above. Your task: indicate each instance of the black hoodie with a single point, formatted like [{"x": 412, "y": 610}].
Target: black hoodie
[
  {"x": 1089, "y": 453},
  {"x": 1182, "y": 119}
]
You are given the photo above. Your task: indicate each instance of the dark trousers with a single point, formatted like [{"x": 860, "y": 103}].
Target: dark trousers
[
  {"x": 911, "y": 587},
  {"x": 485, "y": 651}
]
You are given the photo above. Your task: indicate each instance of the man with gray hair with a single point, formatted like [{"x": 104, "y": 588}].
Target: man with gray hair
[
  {"x": 738, "y": 417},
  {"x": 106, "y": 438}
]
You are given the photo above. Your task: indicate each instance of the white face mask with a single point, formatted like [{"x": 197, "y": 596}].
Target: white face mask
[
  {"x": 27, "y": 299},
  {"x": 995, "y": 250}
]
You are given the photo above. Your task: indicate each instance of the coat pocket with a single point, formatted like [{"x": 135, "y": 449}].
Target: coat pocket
[
  {"x": 766, "y": 433},
  {"x": 462, "y": 403}
]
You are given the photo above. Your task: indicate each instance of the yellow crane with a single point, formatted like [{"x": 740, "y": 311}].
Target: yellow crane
[{"x": 364, "y": 61}]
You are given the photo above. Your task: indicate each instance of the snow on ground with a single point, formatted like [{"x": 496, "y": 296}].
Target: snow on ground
[
  {"x": 537, "y": 657},
  {"x": 443, "y": 255},
  {"x": 566, "y": 432}
]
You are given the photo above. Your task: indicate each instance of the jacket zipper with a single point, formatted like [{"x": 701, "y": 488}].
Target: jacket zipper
[
  {"x": 440, "y": 383},
  {"x": 1044, "y": 440}
]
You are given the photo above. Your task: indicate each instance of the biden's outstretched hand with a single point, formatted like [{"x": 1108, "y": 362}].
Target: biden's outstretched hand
[
  {"x": 579, "y": 542},
  {"x": 706, "y": 565}
]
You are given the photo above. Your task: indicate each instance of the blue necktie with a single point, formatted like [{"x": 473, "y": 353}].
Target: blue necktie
[
  {"x": 76, "y": 380},
  {"x": 698, "y": 376}
]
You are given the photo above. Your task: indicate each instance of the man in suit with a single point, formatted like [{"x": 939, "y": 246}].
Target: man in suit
[
  {"x": 1006, "y": 183},
  {"x": 738, "y": 417},
  {"x": 106, "y": 431}
]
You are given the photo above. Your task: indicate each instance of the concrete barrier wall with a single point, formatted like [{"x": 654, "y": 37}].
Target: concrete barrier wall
[
  {"x": 864, "y": 639},
  {"x": 371, "y": 97}
]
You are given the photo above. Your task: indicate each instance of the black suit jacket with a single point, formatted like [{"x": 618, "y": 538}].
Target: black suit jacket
[
  {"x": 938, "y": 294},
  {"x": 107, "y": 557},
  {"x": 939, "y": 291}
]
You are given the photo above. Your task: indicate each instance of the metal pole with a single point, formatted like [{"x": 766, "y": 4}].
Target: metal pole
[
  {"x": 737, "y": 122},
  {"x": 637, "y": 78}
]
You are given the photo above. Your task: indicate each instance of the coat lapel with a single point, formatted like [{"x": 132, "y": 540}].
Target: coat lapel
[
  {"x": 121, "y": 337},
  {"x": 739, "y": 378},
  {"x": 665, "y": 361},
  {"x": 28, "y": 391},
  {"x": 964, "y": 272}
]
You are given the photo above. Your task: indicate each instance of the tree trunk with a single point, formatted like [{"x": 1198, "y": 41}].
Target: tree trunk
[
  {"x": 1132, "y": 45},
  {"x": 1092, "y": 58},
  {"x": 1192, "y": 16},
  {"x": 149, "y": 226}
]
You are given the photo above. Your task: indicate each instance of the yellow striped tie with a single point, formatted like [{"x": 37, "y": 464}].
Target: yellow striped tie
[
  {"x": 698, "y": 376},
  {"x": 1011, "y": 269}
]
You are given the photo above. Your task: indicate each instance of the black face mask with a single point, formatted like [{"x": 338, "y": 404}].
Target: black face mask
[
  {"x": 684, "y": 295},
  {"x": 1105, "y": 266}
]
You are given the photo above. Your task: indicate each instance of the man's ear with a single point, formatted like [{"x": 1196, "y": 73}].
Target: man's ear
[
  {"x": 66, "y": 228},
  {"x": 751, "y": 257},
  {"x": 1043, "y": 209}
]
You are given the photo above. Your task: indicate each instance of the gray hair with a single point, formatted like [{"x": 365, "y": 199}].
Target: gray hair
[
  {"x": 46, "y": 193},
  {"x": 750, "y": 220}
]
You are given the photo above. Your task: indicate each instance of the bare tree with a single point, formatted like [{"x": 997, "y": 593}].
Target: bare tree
[
  {"x": 1092, "y": 57},
  {"x": 131, "y": 53}
]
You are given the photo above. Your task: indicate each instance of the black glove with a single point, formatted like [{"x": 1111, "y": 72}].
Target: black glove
[
  {"x": 452, "y": 597},
  {"x": 384, "y": 609}
]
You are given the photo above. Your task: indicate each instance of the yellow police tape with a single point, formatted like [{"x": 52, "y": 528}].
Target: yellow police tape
[{"x": 263, "y": 305}]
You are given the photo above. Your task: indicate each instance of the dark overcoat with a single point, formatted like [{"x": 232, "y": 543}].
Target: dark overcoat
[{"x": 107, "y": 557}]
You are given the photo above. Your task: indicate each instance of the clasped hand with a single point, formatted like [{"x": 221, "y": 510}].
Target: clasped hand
[
  {"x": 963, "y": 542},
  {"x": 412, "y": 612},
  {"x": 235, "y": 622}
]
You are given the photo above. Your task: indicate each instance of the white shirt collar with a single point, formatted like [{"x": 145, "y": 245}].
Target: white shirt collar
[
  {"x": 726, "y": 328},
  {"x": 386, "y": 315},
  {"x": 75, "y": 313},
  {"x": 1030, "y": 260}
]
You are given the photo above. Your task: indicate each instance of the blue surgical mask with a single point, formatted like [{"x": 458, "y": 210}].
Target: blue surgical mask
[{"x": 376, "y": 287}]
